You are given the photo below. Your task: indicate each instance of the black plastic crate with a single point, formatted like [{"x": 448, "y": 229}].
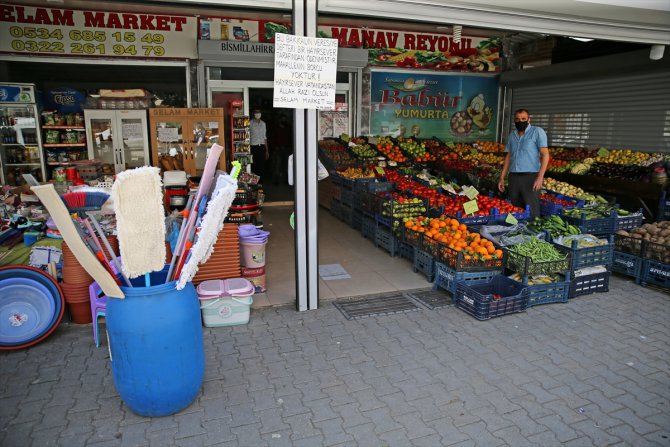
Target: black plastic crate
[
  {"x": 369, "y": 228},
  {"x": 344, "y": 213},
  {"x": 412, "y": 237},
  {"x": 655, "y": 273},
  {"x": 588, "y": 256},
  {"x": 627, "y": 264},
  {"x": 628, "y": 244},
  {"x": 447, "y": 278},
  {"x": 457, "y": 260},
  {"x": 656, "y": 252},
  {"x": 335, "y": 206},
  {"x": 430, "y": 245},
  {"x": 478, "y": 299},
  {"x": 525, "y": 266},
  {"x": 384, "y": 239},
  {"x": 366, "y": 202},
  {"x": 406, "y": 251},
  {"x": 588, "y": 284},
  {"x": 554, "y": 292},
  {"x": 424, "y": 263}
]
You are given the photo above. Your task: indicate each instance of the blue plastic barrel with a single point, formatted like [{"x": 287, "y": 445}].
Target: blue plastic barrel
[{"x": 156, "y": 345}]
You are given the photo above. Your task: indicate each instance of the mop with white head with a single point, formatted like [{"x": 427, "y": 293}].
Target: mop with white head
[
  {"x": 140, "y": 220},
  {"x": 210, "y": 227}
]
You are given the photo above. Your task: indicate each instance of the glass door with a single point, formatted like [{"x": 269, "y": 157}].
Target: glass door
[
  {"x": 172, "y": 149},
  {"x": 134, "y": 140},
  {"x": 100, "y": 131},
  {"x": 205, "y": 133}
]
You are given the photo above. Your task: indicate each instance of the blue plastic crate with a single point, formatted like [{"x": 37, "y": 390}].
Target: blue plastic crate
[
  {"x": 627, "y": 264},
  {"x": 478, "y": 299},
  {"x": 598, "y": 227},
  {"x": 356, "y": 220},
  {"x": 588, "y": 284},
  {"x": 472, "y": 220},
  {"x": 424, "y": 263},
  {"x": 497, "y": 218},
  {"x": 447, "y": 278},
  {"x": 663, "y": 207},
  {"x": 549, "y": 208},
  {"x": 555, "y": 292},
  {"x": 655, "y": 273},
  {"x": 347, "y": 197},
  {"x": 335, "y": 207},
  {"x": 344, "y": 213},
  {"x": 589, "y": 256},
  {"x": 628, "y": 222},
  {"x": 384, "y": 239},
  {"x": 369, "y": 228},
  {"x": 406, "y": 251}
]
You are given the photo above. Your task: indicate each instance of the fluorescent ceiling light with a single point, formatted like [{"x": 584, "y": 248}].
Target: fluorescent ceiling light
[{"x": 581, "y": 39}]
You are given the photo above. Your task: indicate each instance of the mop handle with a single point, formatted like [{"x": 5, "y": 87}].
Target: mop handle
[
  {"x": 95, "y": 223},
  {"x": 180, "y": 239}
]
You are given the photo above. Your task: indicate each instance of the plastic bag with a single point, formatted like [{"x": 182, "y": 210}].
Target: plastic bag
[{"x": 321, "y": 174}]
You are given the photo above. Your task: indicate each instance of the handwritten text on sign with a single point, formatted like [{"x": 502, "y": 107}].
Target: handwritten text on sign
[{"x": 305, "y": 72}]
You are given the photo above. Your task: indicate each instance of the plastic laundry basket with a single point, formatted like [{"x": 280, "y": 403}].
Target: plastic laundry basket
[
  {"x": 226, "y": 311},
  {"x": 225, "y": 302}
]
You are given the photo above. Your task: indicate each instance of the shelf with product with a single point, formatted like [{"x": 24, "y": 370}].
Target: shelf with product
[
  {"x": 64, "y": 139},
  {"x": 20, "y": 139},
  {"x": 240, "y": 137}
]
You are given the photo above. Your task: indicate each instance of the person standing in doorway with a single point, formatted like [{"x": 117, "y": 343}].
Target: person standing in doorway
[
  {"x": 526, "y": 161},
  {"x": 259, "y": 144}
]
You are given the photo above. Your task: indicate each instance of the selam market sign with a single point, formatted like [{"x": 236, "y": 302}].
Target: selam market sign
[
  {"x": 405, "y": 49},
  {"x": 69, "y": 32}
]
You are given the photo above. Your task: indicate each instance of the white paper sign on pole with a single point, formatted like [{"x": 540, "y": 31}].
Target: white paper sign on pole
[{"x": 305, "y": 72}]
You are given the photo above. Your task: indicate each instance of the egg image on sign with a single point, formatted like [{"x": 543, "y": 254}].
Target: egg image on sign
[{"x": 480, "y": 113}]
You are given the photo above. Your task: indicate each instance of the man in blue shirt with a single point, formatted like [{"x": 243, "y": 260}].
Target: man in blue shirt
[{"x": 526, "y": 161}]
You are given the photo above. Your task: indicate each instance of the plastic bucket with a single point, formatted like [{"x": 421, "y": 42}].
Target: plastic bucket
[
  {"x": 226, "y": 311},
  {"x": 252, "y": 255},
  {"x": 255, "y": 276},
  {"x": 156, "y": 346}
]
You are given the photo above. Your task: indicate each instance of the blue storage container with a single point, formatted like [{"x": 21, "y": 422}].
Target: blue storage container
[{"x": 156, "y": 346}]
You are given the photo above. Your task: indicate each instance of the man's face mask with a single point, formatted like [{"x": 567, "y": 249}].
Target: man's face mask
[{"x": 521, "y": 125}]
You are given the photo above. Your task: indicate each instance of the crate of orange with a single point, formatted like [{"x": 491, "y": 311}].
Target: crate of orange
[{"x": 455, "y": 246}]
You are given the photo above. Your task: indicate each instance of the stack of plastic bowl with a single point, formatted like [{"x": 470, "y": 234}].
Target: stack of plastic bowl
[
  {"x": 252, "y": 255},
  {"x": 75, "y": 284}
]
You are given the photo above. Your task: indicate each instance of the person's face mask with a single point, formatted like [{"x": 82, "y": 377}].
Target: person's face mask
[
  {"x": 521, "y": 125},
  {"x": 257, "y": 116}
]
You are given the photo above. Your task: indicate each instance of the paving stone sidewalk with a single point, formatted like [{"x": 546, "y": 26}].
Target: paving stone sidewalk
[{"x": 594, "y": 371}]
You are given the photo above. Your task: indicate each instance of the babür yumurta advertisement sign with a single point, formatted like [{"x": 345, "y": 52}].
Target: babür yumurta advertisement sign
[{"x": 458, "y": 108}]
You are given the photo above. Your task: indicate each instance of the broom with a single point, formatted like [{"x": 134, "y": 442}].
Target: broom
[{"x": 211, "y": 225}]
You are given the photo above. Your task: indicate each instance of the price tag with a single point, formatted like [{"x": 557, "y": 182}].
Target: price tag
[
  {"x": 470, "y": 207},
  {"x": 510, "y": 219},
  {"x": 471, "y": 193},
  {"x": 602, "y": 152},
  {"x": 380, "y": 170},
  {"x": 474, "y": 152}
]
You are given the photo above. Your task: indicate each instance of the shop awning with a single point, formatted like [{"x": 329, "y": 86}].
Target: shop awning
[{"x": 579, "y": 18}]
